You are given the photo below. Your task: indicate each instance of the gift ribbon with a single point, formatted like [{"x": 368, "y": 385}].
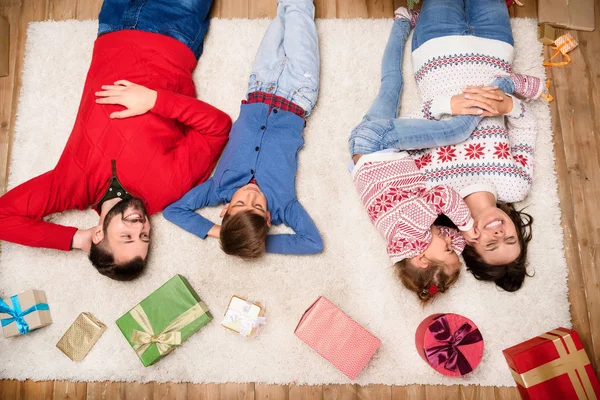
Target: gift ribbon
[
  {"x": 449, "y": 353},
  {"x": 564, "y": 44},
  {"x": 17, "y": 315},
  {"x": 570, "y": 361},
  {"x": 166, "y": 339},
  {"x": 247, "y": 323}
]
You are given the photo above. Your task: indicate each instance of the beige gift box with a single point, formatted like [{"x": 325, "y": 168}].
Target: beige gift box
[
  {"x": 36, "y": 319},
  {"x": 81, "y": 336}
]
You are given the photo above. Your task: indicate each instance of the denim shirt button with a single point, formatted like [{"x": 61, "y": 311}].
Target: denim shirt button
[
  {"x": 252, "y": 171},
  {"x": 263, "y": 127},
  {"x": 257, "y": 148},
  {"x": 275, "y": 111}
]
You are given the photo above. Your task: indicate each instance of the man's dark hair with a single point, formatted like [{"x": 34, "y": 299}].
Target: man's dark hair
[
  {"x": 105, "y": 263},
  {"x": 244, "y": 234},
  {"x": 509, "y": 276}
]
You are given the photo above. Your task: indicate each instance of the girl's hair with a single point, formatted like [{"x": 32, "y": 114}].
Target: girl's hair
[
  {"x": 509, "y": 276},
  {"x": 419, "y": 280}
]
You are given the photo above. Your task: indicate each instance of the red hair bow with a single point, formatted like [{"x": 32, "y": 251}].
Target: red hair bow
[{"x": 433, "y": 289}]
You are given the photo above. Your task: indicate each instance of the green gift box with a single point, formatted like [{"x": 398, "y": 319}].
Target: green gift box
[{"x": 164, "y": 320}]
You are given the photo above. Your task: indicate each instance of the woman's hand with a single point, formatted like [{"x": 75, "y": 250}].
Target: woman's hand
[
  {"x": 479, "y": 100},
  {"x": 136, "y": 99}
]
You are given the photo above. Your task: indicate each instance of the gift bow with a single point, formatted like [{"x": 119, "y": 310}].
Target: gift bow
[
  {"x": 247, "y": 323},
  {"x": 18, "y": 315},
  {"x": 449, "y": 353},
  {"x": 166, "y": 339}
]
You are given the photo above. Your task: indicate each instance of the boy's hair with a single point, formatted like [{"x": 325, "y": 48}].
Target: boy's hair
[
  {"x": 104, "y": 262},
  {"x": 509, "y": 276},
  {"x": 419, "y": 280},
  {"x": 244, "y": 234}
]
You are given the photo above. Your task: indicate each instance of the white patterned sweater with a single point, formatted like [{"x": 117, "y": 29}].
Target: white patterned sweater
[
  {"x": 393, "y": 192},
  {"x": 499, "y": 153}
]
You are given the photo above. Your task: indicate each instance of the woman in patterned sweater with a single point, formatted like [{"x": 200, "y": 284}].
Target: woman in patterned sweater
[{"x": 382, "y": 171}]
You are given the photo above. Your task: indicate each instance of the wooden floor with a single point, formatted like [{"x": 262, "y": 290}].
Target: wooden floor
[{"x": 575, "y": 122}]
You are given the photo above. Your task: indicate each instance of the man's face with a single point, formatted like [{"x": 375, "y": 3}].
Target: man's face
[{"x": 127, "y": 230}]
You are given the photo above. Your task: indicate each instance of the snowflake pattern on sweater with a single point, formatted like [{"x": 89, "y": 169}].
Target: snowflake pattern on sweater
[
  {"x": 500, "y": 151},
  {"x": 402, "y": 208}
]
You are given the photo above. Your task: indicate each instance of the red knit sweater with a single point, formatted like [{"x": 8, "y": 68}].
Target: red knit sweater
[{"x": 159, "y": 155}]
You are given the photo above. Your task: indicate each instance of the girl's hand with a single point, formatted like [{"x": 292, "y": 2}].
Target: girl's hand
[{"x": 136, "y": 99}]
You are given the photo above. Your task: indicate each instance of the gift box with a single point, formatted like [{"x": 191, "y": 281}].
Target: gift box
[
  {"x": 243, "y": 317},
  {"x": 24, "y": 313},
  {"x": 553, "y": 366},
  {"x": 547, "y": 34},
  {"x": 81, "y": 336},
  {"x": 337, "y": 337},
  {"x": 450, "y": 343},
  {"x": 164, "y": 320}
]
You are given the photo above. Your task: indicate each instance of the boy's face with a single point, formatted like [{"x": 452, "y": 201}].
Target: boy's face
[{"x": 248, "y": 198}]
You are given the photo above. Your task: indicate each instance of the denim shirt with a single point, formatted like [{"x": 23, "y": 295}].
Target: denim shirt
[{"x": 264, "y": 145}]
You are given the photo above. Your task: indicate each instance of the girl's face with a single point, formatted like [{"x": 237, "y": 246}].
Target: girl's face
[
  {"x": 495, "y": 237},
  {"x": 440, "y": 251}
]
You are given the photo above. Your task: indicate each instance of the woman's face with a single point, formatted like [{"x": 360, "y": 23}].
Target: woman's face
[{"x": 495, "y": 237}]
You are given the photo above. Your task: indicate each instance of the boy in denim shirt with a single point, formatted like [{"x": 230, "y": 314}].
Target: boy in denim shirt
[{"x": 256, "y": 176}]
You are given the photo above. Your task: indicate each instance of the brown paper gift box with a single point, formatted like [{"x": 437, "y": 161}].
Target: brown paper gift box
[
  {"x": 81, "y": 336},
  {"x": 36, "y": 319}
]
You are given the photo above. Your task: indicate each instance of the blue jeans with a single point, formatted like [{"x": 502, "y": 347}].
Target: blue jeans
[
  {"x": 287, "y": 60},
  {"x": 184, "y": 20},
  {"x": 487, "y": 19},
  {"x": 380, "y": 128}
]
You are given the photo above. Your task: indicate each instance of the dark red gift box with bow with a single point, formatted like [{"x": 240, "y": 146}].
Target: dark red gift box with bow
[
  {"x": 450, "y": 343},
  {"x": 553, "y": 365}
]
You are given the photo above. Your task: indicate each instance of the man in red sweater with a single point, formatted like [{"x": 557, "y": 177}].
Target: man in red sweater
[{"x": 127, "y": 168}]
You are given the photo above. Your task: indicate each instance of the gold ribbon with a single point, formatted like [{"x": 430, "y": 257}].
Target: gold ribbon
[
  {"x": 564, "y": 44},
  {"x": 572, "y": 363},
  {"x": 169, "y": 337}
]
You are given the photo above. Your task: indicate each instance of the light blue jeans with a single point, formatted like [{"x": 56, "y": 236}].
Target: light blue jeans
[
  {"x": 487, "y": 19},
  {"x": 287, "y": 60},
  {"x": 380, "y": 128}
]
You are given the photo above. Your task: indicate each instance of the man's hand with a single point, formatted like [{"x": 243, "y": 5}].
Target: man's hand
[
  {"x": 82, "y": 240},
  {"x": 137, "y": 99},
  {"x": 478, "y": 100},
  {"x": 215, "y": 231}
]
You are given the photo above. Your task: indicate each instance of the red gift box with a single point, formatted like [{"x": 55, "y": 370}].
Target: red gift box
[
  {"x": 450, "y": 343},
  {"x": 337, "y": 337},
  {"x": 553, "y": 366}
]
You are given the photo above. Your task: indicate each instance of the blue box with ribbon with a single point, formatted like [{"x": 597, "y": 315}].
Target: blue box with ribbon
[{"x": 23, "y": 313}]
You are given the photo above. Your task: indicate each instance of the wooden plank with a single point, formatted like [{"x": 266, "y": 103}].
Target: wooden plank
[
  {"x": 351, "y": 9},
  {"x": 374, "y": 392},
  {"x": 262, "y": 9},
  {"x": 576, "y": 117},
  {"x": 137, "y": 391},
  {"x": 263, "y": 391},
  {"x": 231, "y": 8},
  {"x": 224, "y": 391},
  {"x": 32, "y": 390},
  {"x": 412, "y": 392},
  {"x": 527, "y": 10},
  {"x": 507, "y": 393},
  {"x": 305, "y": 392},
  {"x": 9, "y": 90},
  {"x": 69, "y": 390},
  {"x": 380, "y": 8},
  {"x": 10, "y": 389},
  {"x": 339, "y": 392},
  {"x": 104, "y": 391},
  {"x": 170, "y": 391},
  {"x": 88, "y": 9},
  {"x": 325, "y": 9},
  {"x": 62, "y": 9}
]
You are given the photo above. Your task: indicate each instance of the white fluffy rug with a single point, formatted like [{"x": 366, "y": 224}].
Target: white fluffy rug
[{"x": 353, "y": 272}]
